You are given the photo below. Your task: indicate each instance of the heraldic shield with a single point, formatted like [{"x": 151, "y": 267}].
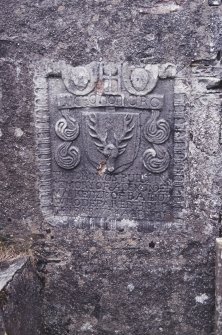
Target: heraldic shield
[{"x": 111, "y": 138}]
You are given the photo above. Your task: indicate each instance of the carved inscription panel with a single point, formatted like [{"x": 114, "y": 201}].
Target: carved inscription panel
[{"x": 109, "y": 146}]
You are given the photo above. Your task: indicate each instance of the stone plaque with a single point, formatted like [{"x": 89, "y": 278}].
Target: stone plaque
[{"x": 111, "y": 145}]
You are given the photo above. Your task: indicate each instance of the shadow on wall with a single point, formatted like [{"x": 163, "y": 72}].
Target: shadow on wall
[{"x": 20, "y": 298}]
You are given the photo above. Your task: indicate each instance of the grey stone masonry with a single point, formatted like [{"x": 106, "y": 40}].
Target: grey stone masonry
[{"x": 218, "y": 321}]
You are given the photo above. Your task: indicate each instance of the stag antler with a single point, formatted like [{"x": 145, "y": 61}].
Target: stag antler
[
  {"x": 99, "y": 141},
  {"x": 111, "y": 148},
  {"x": 122, "y": 141}
]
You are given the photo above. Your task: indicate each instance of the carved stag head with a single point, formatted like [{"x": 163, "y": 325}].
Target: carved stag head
[{"x": 111, "y": 146}]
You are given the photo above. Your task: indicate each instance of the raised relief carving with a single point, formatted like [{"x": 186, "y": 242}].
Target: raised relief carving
[
  {"x": 156, "y": 159},
  {"x": 67, "y": 128},
  {"x": 110, "y": 144},
  {"x": 80, "y": 80},
  {"x": 105, "y": 146},
  {"x": 111, "y": 137},
  {"x": 167, "y": 70},
  {"x": 110, "y": 78},
  {"x": 139, "y": 80},
  {"x": 67, "y": 155},
  {"x": 156, "y": 132}
]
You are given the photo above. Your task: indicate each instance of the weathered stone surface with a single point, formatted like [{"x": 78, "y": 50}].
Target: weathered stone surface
[
  {"x": 20, "y": 299},
  {"x": 8, "y": 272},
  {"x": 111, "y": 143},
  {"x": 218, "y": 326},
  {"x": 123, "y": 281},
  {"x": 2, "y": 325}
]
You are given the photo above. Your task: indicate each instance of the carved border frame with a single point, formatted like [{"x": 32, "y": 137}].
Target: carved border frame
[
  {"x": 180, "y": 149},
  {"x": 43, "y": 152},
  {"x": 43, "y": 148}
]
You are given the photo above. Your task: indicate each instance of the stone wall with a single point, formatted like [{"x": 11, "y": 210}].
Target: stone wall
[
  {"x": 115, "y": 279},
  {"x": 20, "y": 298}
]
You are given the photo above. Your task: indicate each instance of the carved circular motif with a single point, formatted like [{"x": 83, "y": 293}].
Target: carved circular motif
[
  {"x": 80, "y": 77},
  {"x": 139, "y": 79},
  {"x": 67, "y": 129},
  {"x": 156, "y": 130},
  {"x": 155, "y": 103},
  {"x": 156, "y": 160},
  {"x": 80, "y": 80},
  {"x": 67, "y": 156}
]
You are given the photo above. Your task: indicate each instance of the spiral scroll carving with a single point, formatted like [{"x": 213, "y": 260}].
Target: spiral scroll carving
[
  {"x": 67, "y": 128},
  {"x": 157, "y": 159},
  {"x": 156, "y": 131},
  {"x": 67, "y": 156}
]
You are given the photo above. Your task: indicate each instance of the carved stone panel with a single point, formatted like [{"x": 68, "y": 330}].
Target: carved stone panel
[{"x": 111, "y": 146}]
